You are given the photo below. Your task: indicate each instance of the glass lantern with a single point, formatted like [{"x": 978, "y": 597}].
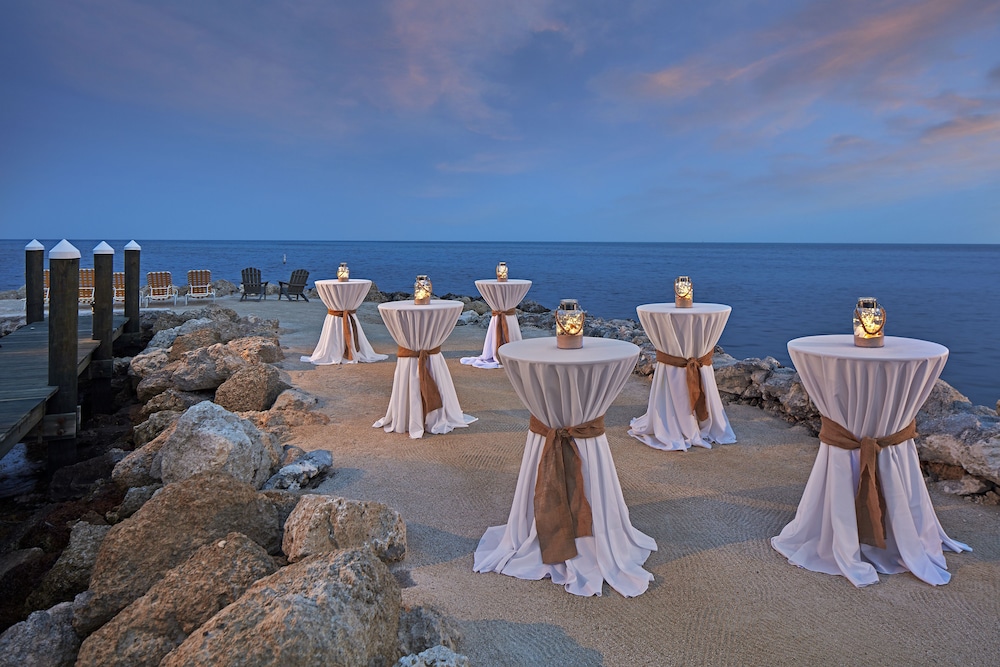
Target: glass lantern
[
  {"x": 683, "y": 292},
  {"x": 869, "y": 320},
  {"x": 422, "y": 291},
  {"x": 502, "y": 272},
  {"x": 343, "y": 273},
  {"x": 569, "y": 325}
]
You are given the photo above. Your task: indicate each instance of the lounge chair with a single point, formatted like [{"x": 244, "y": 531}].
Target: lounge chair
[
  {"x": 118, "y": 283},
  {"x": 295, "y": 286},
  {"x": 252, "y": 284},
  {"x": 159, "y": 287},
  {"x": 46, "y": 276},
  {"x": 86, "y": 286},
  {"x": 199, "y": 285}
]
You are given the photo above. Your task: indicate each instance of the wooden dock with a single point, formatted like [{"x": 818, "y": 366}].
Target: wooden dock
[{"x": 24, "y": 375}]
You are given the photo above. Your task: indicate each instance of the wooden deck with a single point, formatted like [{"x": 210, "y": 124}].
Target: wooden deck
[{"x": 24, "y": 375}]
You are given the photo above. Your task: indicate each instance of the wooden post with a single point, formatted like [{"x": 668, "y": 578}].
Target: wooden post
[
  {"x": 102, "y": 360},
  {"x": 34, "y": 282},
  {"x": 64, "y": 293},
  {"x": 132, "y": 250}
]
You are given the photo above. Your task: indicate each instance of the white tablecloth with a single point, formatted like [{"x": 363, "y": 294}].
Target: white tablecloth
[
  {"x": 873, "y": 392},
  {"x": 421, "y": 328},
  {"x": 499, "y": 296},
  {"x": 567, "y": 388},
  {"x": 669, "y": 422},
  {"x": 330, "y": 348}
]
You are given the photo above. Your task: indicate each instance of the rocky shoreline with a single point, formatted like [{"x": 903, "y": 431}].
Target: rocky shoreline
[{"x": 192, "y": 544}]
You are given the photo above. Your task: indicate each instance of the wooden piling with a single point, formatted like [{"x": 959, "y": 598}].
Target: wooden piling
[
  {"x": 34, "y": 282},
  {"x": 61, "y": 413},
  {"x": 132, "y": 250},
  {"x": 102, "y": 360}
]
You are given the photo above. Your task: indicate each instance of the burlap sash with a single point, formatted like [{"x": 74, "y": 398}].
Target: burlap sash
[
  {"x": 562, "y": 512},
  {"x": 869, "y": 503},
  {"x": 349, "y": 324},
  {"x": 430, "y": 397},
  {"x": 696, "y": 391},
  {"x": 503, "y": 332}
]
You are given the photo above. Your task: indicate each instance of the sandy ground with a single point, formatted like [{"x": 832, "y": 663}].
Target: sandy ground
[{"x": 721, "y": 595}]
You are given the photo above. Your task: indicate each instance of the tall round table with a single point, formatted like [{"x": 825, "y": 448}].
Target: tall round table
[
  {"x": 421, "y": 328},
  {"x": 502, "y": 298},
  {"x": 342, "y": 341},
  {"x": 670, "y": 423},
  {"x": 872, "y": 393},
  {"x": 565, "y": 388}
]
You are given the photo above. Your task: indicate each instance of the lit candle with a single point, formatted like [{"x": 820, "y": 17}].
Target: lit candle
[
  {"x": 422, "y": 291},
  {"x": 569, "y": 325},
  {"x": 869, "y": 321},
  {"x": 343, "y": 273},
  {"x": 502, "y": 272},
  {"x": 683, "y": 292}
]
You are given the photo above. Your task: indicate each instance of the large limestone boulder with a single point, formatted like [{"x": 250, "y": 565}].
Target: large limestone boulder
[
  {"x": 203, "y": 368},
  {"x": 192, "y": 340},
  {"x": 253, "y": 387},
  {"x": 338, "y": 608},
  {"x": 157, "y": 423},
  {"x": 71, "y": 573},
  {"x": 214, "y": 576},
  {"x": 294, "y": 399},
  {"x": 136, "y": 469},
  {"x": 45, "y": 639},
  {"x": 422, "y": 628},
  {"x": 257, "y": 349},
  {"x": 436, "y": 656},
  {"x": 173, "y": 400},
  {"x": 167, "y": 530},
  {"x": 209, "y": 437},
  {"x": 325, "y": 523}
]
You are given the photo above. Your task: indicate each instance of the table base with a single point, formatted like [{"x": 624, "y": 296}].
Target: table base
[
  {"x": 405, "y": 411},
  {"x": 330, "y": 348},
  {"x": 669, "y": 423},
  {"x": 614, "y": 554},
  {"x": 488, "y": 358},
  {"x": 823, "y": 536}
]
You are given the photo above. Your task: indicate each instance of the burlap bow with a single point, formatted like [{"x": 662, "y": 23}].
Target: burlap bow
[
  {"x": 696, "y": 391},
  {"x": 349, "y": 324},
  {"x": 430, "y": 397},
  {"x": 562, "y": 512},
  {"x": 503, "y": 331},
  {"x": 869, "y": 503}
]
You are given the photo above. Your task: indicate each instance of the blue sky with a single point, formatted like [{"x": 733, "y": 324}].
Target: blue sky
[{"x": 736, "y": 120}]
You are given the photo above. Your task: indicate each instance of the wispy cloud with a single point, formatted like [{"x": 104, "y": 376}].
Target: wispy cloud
[{"x": 491, "y": 163}]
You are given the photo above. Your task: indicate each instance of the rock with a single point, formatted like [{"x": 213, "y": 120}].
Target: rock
[
  {"x": 944, "y": 400},
  {"x": 965, "y": 439},
  {"x": 437, "y": 656},
  {"x": 187, "y": 596},
  {"x": 71, "y": 573},
  {"x": 224, "y": 287},
  {"x": 156, "y": 424},
  {"x": 256, "y": 349},
  {"x": 198, "y": 370},
  {"x": 467, "y": 317},
  {"x": 136, "y": 469},
  {"x": 294, "y": 399},
  {"x": 479, "y": 307},
  {"x": 209, "y": 437},
  {"x": 421, "y": 628},
  {"x": 374, "y": 295},
  {"x": 76, "y": 480},
  {"x": 320, "y": 524},
  {"x": 253, "y": 387},
  {"x": 202, "y": 336},
  {"x": 172, "y": 525},
  {"x": 528, "y": 306},
  {"x": 52, "y": 629},
  {"x": 278, "y": 423},
  {"x": 135, "y": 498},
  {"x": 147, "y": 362},
  {"x": 966, "y": 486},
  {"x": 338, "y": 608},
  {"x": 304, "y": 471}
]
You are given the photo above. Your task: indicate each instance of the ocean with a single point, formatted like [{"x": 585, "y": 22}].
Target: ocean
[{"x": 949, "y": 294}]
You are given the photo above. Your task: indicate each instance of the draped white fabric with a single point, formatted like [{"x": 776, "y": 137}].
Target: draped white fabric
[
  {"x": 499, "y": 296},
  {"x": 421, "y": 328},
  {"x": 330, "y": 348},
  {"x": 669, "y": 423},
  {"x": 873, "y": 392},
  {"x": 567, "y": 388}
]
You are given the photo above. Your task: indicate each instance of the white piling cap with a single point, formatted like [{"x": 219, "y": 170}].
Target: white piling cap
[
  {"x": 64, "y": 250},
  {"x": 103, "y": 248},
  {"x": 34, "y": 245},
  {"x": 132, "y": 245}
]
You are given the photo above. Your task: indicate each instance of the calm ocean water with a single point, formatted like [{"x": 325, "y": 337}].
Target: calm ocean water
[{"x": 944, "y": 293}]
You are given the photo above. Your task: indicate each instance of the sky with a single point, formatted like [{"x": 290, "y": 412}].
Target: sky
[{"x": 861, "y": 121}]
